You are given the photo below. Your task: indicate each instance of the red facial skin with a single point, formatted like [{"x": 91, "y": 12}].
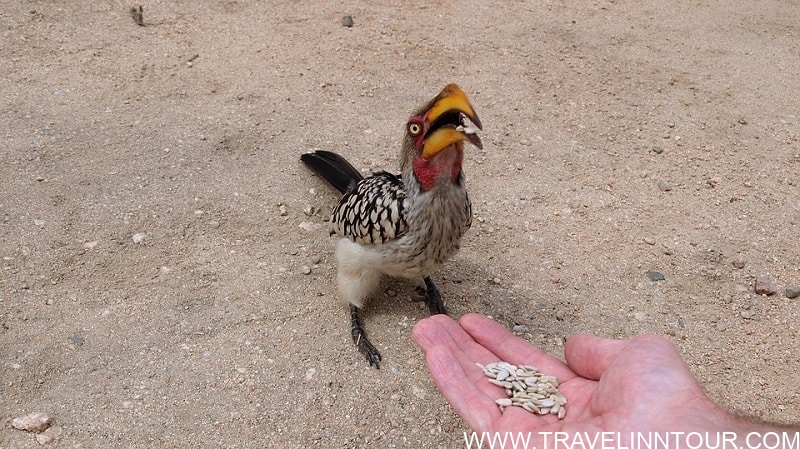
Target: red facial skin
[{"x": 428, "y": 171}]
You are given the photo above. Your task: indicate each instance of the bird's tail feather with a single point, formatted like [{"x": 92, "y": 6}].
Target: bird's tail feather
[{"x": 334, "y": 168}]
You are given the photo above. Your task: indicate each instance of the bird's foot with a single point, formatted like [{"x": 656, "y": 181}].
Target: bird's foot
[
  {"x": 366, "y": 348},
  {"x": 433, "y": 298}
]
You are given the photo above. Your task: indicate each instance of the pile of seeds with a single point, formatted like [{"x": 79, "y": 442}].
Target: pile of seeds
[{"x": 526, "y": 387}]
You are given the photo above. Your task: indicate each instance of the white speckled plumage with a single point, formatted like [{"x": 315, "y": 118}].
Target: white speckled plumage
[{"x": 390, "y": 226}]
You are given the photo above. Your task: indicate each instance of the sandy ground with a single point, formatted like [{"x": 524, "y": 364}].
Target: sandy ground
[{"x": 620, "y": 138}]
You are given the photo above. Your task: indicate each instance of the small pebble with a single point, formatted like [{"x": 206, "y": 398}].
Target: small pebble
[
  {"x": 658, "y": 150},
  {"x": 310, "y": 373},
  {"x": 655, "y": 276},
  {"x": 34, "y": 422},
  {"x": 49, "y": 435},
  {"x": 347, "y": 21},
  {"x": 650, "y": 240},
  {"x": 765, "y": 285},
  {"x": 520, "y": 329},
  {"x": 792, "y": 291},
  {"x": 283, "y": 211},
  {"x": 77, "y": 340},
  {"x": 315, "y": 259},
  {"x": 738, "y": 262},
  {"x": 305, "y": 269},
  {"x": 309, "y": 226},
  {"x": 139, "y": 237},
  {"x": 664, "y": 186}
]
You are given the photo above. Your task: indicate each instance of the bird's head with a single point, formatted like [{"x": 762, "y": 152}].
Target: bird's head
[{"x": 435, "y": 135}]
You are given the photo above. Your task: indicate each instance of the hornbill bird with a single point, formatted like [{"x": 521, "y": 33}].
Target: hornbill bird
[{"x": 403, "y": 225}]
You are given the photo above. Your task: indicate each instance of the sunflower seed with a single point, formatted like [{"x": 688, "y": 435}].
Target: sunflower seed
[
  {"x": 545, "y": 402},
  {"x": 466, "y": 129},
  {"x": 500, "y": 383},
  {"x": 530, "y": 407},
  {"x": 504, "y": 402}
]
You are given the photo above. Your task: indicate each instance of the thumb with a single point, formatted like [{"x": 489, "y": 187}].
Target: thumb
[{"x": 590, "y": 356}]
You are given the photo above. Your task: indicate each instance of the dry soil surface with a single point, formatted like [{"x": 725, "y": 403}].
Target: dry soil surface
[{"x": 163, "y": 284}]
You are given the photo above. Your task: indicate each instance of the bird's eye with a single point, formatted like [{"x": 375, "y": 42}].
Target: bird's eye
[{"x": 414, "y": 129}]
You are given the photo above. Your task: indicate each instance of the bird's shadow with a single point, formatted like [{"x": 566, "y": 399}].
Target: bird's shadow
[{"x": 468, "y": 287}]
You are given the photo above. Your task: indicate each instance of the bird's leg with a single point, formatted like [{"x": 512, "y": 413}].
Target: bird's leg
[
  {"x": 360, "y": 339},
  {"x": 433, "y": 298}
]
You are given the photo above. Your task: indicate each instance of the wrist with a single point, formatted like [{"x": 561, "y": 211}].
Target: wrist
[{"x": 750, "y": 434}]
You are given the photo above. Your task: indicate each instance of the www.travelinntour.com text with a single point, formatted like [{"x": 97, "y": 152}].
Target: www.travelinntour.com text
[{"x": 631, "y": 440}]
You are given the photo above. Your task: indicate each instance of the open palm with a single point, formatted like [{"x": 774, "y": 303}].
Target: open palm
[{"x": 640, "y": 385}]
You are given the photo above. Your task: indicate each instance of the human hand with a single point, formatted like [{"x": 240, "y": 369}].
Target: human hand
[{"x": 636, "y": 385}]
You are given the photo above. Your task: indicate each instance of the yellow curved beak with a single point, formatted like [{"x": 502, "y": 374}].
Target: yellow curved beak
[{"x": 451, "y": 104}]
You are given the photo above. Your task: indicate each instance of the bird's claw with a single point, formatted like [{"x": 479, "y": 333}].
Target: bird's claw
[
  {"x": 364, "y": 346},
  {"x": 369, "y": 351}
]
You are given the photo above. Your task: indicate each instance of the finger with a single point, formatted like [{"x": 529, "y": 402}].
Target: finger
[
  {"x": 440, "y": 330},
  {"x": 450, "y": 353},
  {"x": 463, "y": 391},
  {"x": 510, "y": 348}
]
